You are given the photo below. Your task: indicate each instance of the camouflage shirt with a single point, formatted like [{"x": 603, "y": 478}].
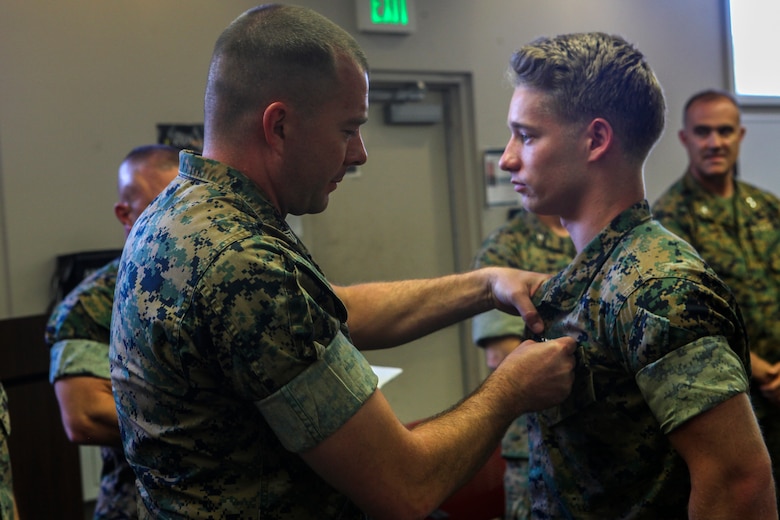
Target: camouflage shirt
[
  {"x": 739, "y": 237},
  {"x": 231, "y": 356},
  {"x": 660, "y": 340},
  {"x": 524, "y": 242},
  {"x": 6, "y": 478},
  {"x": 78, "y": 334}
]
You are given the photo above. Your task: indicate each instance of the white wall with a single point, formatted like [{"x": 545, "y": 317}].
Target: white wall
[
  {"x": 82, "y": 82},
  {"x": 759, "y": 154}
]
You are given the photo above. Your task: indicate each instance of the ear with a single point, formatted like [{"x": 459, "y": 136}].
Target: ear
[
  {"x": 600, "y": 138},
  {"x": 122, "y": 212},
  {"x": 683, "y": 137},
  {"x": 275, "y": 117}
]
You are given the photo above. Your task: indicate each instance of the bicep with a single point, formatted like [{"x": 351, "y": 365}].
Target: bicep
[
  {"x": 720, "y": 443},
  {"x": 364, "y": 457},
  {"x": 79, "y": 393}
]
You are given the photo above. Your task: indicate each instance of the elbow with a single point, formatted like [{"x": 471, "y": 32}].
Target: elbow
[
  {"x": 751, "y": 492},
  {"x": 79, "y": 430},
  {"x": 410, "y": 502},
  {"x": 405, "y": 510},
  {"x": 76, "y": 434},
  {"x": 756, "y": 491}
]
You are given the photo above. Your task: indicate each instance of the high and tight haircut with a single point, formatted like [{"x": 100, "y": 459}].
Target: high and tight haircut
[
  {"x": 590, "y": 75},
  {"x": 274, "y": 53},
  {"x": 160, "y": 156},
  {"x": 710, "y": 94}
]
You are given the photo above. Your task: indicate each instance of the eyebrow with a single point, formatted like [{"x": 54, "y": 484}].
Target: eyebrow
[
  {"x": 708, "y": 128},
  {"x": 359, "y": 121},
  {"x": 515, "y": 124}
]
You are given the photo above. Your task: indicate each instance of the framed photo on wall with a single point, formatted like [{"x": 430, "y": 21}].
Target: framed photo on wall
[
  {"x": 185, "y": 136},
  {"x": 498, "y": 186}
]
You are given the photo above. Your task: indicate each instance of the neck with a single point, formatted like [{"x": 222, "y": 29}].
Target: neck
[
  {"x": 719, "y": 185},
  {"x": 253, "y": 164},
  {"x": 554, "y": 223},
  {"x": 602, "y": 203}
]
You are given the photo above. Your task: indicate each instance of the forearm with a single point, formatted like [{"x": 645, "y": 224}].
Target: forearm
[
  {"x": 413, "y": 472},
  {"x": 459, "y": 441},
  {"x": 386, "y": 314}
]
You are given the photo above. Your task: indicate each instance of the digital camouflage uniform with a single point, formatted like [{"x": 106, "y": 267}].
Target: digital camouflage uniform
[
  {"x": 739, "y": 238},
  {"x": 660, "y": 340},
  {"x": 524, "y": 242},
  {"x": 6, "y": 478},
  {"x": 78, "y": 334},
  {"x": 232, "y": 356}
]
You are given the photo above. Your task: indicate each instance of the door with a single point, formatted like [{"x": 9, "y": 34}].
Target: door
[{"x": 392, "y": 219}]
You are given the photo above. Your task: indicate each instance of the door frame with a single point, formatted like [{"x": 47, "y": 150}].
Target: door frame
[{"x": 465, "y": 184}]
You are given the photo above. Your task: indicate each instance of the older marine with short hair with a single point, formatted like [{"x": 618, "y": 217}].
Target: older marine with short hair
[
  {"x": 240, "y": 389},
  {"x": 734, "y": 226}
]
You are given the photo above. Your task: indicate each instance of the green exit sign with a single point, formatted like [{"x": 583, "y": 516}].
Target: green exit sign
[
  {"x": 392, "y": 12},
  {"x": 386, "y": 16}
]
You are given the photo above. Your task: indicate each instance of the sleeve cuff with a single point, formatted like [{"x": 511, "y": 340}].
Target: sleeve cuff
[
  {"x": 691, "y": 380},
  {"x": 78, "y": 357},
  {"x": 322, "y": 398},
  {"x": 495, "y": 323}
]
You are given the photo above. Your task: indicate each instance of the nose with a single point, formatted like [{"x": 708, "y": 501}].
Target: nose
[
  {"x": 356, "y": 152},
  {"x": 509, "y": 161},
  {"x": 714, "y": 139}
]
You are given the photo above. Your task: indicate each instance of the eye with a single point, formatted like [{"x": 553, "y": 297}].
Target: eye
[
  {"x": 523, "y": 136},
  {"x": 725, "y": 131},
  {"x": 351, "y": 132}
]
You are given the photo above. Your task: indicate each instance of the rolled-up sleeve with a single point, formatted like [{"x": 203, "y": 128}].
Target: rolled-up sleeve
[
  {"x": 691, "y": 379},
  {"x": 318, "y": 401},
  {"x": 494, "y": 324}
]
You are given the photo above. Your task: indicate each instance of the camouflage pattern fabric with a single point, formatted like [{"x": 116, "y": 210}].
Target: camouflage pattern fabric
[
  {"x": 524, "y": 242},
  {"x": 232, "y": 356},
  {"x": 78, "y": 333},
  {"x": 740, "y": 239},
  {"x": 518, "y": 497},
  {"x": 6, "y": 477},
  {"x": 660, "y": 340}
]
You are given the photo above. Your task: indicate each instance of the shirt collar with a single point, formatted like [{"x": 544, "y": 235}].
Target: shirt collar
[
  {"x": 565, "y": 289},
  {"x": 227, "y": 179}
]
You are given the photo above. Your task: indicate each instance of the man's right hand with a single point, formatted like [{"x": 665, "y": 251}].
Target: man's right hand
[{"x": 540, "y": 374}]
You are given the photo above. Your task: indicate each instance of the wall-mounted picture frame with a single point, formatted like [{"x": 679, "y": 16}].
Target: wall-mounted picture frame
[
  {"x": 498, "y": 186},
  {"x": 186, "y": 136}
]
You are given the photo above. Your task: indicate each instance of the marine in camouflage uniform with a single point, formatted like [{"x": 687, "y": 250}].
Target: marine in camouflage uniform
[
  {"x": 739, "y": 238},
  {"x": 231, "y": 358},
  {"x": 6, "y": 477},
  {"x": 524, "y": 242},
  {"x": 78, "y": 333},
  {"x": 660, "y": 340}
]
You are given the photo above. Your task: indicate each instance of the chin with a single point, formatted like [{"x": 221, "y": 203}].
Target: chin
[
  {"x": 318, "y": 208},
  {"x": 530, "y": 204}
]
